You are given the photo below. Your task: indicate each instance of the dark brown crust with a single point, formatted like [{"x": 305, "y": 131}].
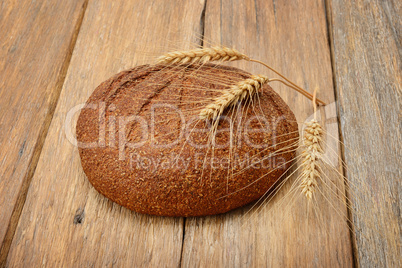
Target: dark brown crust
[{"x": 175, "y": 190}]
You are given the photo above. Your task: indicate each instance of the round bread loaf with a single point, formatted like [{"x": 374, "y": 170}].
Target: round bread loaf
[{"x": 143, "y": 146}]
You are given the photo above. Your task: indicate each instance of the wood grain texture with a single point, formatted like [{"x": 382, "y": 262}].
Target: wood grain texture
[
  {"x": 366, "y": 40},
  {"x": 65, "y": 222},
  {"x": 35, "y": 48},
  {"x": 291, "y": 36}
]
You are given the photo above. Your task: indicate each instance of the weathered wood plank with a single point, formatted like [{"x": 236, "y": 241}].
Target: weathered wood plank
[
  {"x": 366, "y": 41},
  {"x": 292, "y": 37},
  {"x": 65, "y": 222},
  {"x": 35, "y": 48}
]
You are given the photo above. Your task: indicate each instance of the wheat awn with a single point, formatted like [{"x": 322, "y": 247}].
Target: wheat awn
[
  {"x": 312, "y": 153},
  {"x": 220, "y": 53},
  {"x": 234, "y": 94},
  {"x": 202, "y": 55}
]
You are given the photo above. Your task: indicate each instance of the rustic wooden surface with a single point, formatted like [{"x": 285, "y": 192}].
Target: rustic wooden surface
[
  {"x": 35, "y": 48},
  {"x": 291, "y": 36},
  {"x": 366, "y": 40},
  {"x": 65, "y": 222}
]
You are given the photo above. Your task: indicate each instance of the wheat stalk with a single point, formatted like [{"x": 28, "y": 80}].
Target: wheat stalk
[
  {"x": 311, "y": 155},
  {"x": 202, "y": 55},
  {"x": 232, "y": 95}
]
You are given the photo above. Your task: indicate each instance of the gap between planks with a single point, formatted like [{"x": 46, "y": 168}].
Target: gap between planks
[
  {"x": 15, "y": 216},
  {"x": 328, "y": 17},
  {"x": 202, "y": 32}
]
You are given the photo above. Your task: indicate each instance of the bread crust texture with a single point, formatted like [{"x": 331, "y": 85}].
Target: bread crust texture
[{"x": 143, "y": 145}]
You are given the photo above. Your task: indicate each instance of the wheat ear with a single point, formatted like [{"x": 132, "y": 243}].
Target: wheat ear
[
  {"x": 219, "y": 53},
  {"x": 202, "y": 55},
  {"x": 312, "y": 141},
  {"x": 234, "y": 94}
]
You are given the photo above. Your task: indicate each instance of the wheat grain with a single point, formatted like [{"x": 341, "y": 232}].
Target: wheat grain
[
  {"x": 312, "y": 153},
  {"x": 220, "y": 53},
  {"x": 202, "y": 55},
  {"x": 232, "y": 95}
]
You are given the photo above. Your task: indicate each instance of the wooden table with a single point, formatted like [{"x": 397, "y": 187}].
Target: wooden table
[{"x": 54, "y": 53}]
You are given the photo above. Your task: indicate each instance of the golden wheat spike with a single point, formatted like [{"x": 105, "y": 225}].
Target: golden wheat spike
[
  {"x": 202, "y": 55},
  {"x": 232, "y": 95},
  {"x": 311, "y": 155}
]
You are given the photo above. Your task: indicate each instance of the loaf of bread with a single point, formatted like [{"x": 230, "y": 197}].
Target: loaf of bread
[{"x": 143, "y": 146}]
